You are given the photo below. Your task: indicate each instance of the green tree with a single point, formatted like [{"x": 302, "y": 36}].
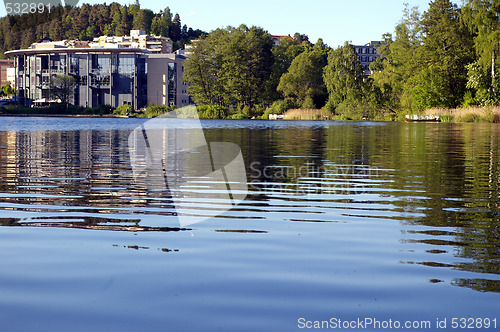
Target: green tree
[
  {"x": 483, "y": 19},
  {"x": 343, "y": 77},
  {"x": 202, "y": 70},
  {"x": 175, "y": 30},
  {"x": 143, "y": 19},
  {"x": 247, "y": 63},
  {"x": 283, "y": 53},
  {"x": 399, "y": 62},
  {"x": 230, "y": 66},
  {"x": 304, "y": 79},
  {"x": 62, "y": 87},
  {"x": 7, "y": 90},
  {"x": 446, "y": 50}
]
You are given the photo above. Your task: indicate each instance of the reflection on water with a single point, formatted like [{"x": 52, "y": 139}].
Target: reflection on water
[
  {"x": 438, "y": 182},
  {"x": 87, "y": 223}
]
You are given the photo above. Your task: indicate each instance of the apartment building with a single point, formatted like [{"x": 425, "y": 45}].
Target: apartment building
[
  {"x": 137, "y": 39},
  {"x": 367, "y": 54},
  {"x": 112, "y": 74}
]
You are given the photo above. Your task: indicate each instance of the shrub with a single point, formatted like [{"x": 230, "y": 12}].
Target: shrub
[
  {"x": 308, "y": 103},
  {"x": 279, "y": 107},
  {"x": 211, "y": 112},
  {"x": 238, "y": 116},
  {"x": 123, "y": 110},
  {"x": 282, "y": 105},
  {"x": 153, "y": 111},
  {"x": 100, "y": 110},
  {"x": 468, "y": 99}
]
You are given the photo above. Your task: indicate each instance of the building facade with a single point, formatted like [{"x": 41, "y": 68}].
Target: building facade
[
  {"x": 367, "y": 54},
  {"x": 164, "y": 80},
  {"x": 5, "y": 64},
  {"x": 136, "y": 39},
  {"x": 111, "y": 75}
]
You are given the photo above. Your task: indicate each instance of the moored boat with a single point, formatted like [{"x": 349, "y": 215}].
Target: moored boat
[{"x": 422, "y": 118}]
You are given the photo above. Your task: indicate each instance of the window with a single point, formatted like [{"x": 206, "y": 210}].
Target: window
[
  {"x": 101, "y": 62},
  {"x": 74, "y": 67},
  {"x": 126, "y": 64},
  {"x": 171, "y": 83}
]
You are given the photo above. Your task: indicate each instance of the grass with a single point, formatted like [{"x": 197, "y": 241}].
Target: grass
[
  {"x": 468, "y": 114},
  {"x": 56, "y": 110},
  {"x": 307, "y": 114}
]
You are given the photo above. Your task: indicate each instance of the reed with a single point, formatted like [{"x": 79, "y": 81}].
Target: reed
[
  {"x": 307, "y": 114},
  {"x": 468, "y": 114}
]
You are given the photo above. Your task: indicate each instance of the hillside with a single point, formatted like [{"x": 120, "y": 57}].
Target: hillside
[{"x": 88, "y": 21}]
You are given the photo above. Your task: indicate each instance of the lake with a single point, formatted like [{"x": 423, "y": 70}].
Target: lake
[{"x": 344, "y": 223}]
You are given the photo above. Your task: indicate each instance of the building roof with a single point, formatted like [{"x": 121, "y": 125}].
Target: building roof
[{"x": 14, "y": 53}]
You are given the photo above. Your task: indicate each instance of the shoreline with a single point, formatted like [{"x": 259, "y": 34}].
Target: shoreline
[
  {"x": 488, "y": 114},
  {"x": 69, "y": 115}
]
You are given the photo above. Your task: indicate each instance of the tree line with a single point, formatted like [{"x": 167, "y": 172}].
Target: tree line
[
  {"x": 447, "y": 56},
  {"x": 444, "y": 57},
  {"x": 88, "y": 21}
]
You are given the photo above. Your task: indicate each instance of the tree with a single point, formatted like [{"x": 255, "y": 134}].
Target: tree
[
  {"x": 161, "y": 23},
  {"x": 202, "y": 70},
  {"x": 7, "y": 90},
  {"x": 399, "y": 61},
  {"x": 62, "y": 87},
  {"x": 175, "y": 30},
  {"x": 343, "y": 77},
  {"x": 301, "y": 39},
  {"x": 143, "y": 19},
  {"x": 483, "y": 19},
  {"x": 304, "y": 79},
  {"x": 283, "y": 54},
  {"x": 247, "y": 63},
  {"x": 446, "y": 50},
  {"x": 230, "y": 66}
]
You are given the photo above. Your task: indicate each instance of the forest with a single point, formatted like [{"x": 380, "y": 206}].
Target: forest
[{"x": 88, "y": 21}]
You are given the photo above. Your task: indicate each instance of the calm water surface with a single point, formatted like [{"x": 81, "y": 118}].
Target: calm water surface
[{"x": 389, "y": 221}]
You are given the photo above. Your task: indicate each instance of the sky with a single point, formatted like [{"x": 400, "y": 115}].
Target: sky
[{"x": 335, "y": 21}]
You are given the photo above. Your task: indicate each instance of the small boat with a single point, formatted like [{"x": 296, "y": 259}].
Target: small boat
[{"x": 422, "y": 118}]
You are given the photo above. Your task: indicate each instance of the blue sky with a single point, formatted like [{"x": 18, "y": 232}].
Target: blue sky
[{"x": 336, "y": 21}]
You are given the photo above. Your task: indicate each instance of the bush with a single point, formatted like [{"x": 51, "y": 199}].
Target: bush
[
  {"x": 100, "y": 110},
  {"x": 469, "y": 99},
  {"x": 245, "y": 110},
  {"x": 153, "y": 111},
  {"x": 279, "y": 107},
  {"x": 211, "y": 112},
  {"x": 308, "y": 103},
  {"x": 238, "y": 116},
  {"x": 123, "y": 110}
]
